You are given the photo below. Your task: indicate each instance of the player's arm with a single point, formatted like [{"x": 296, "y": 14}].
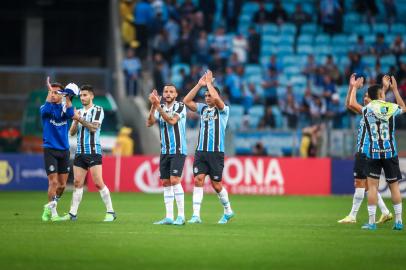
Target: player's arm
[
  {"x": 172, "y": 120},
  {"x": 213, "y": 93},
  {"x": 91, "y": 126},
  {"x": 188, "y": 99},
  {"x": 151, "y": 120},
  {"x": 399, "y": 99},
  {"x": 47, "y": 107},
  {"x": 354, "y": 105},
  {"x": 350, "y": 88}
]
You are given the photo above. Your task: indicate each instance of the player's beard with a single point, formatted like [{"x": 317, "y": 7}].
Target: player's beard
[{"x": 169, "y": 100}]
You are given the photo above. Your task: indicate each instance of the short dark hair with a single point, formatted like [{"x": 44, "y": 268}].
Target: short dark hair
[
  {"x": 373, "y": 91},
  {"x": 171, "y": 85},
  {"x": 216, "y": 88},
  {"x": 87, "y": 87},
  {"x": 59, "y": 85}
]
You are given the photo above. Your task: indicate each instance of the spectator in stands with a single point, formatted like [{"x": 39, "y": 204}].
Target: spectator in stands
[
  {"x": 124, "y": 144},
  {"x": 187, "y": 9},
  {"x": 330, "y": 13},
  {"x": 240, "y": 47},
  {"x": 401, "y": 73},
  {"x": 156, "y": 25},
  {"x": 278, "y": 14},
  {"x": 208, "y": 7},
  {"x": 143, "y": 14},
  {"x": 127, "y": 21},
  {"x": 336, "y": 111},
  {"x": 161, "y": 44},
  {"x": 160, "y": 72},
  {"x": 173, "y": 10},
  {"x": 10, "y": 139},
  {"x": 268, "y": 120},
  {"x": 391, "y": 11},
  {"x": 253, "y": 95},
  {"x": 132, "y": 67},
  {"x": 309, "y": 142},
  {"x": 270, "y": 84},
  {"x": 159, "y": 7},
  {"x": 310, "y": 67},
  {"x": 380, "y": 47},
  {"x": 305, "y": 106},
  {"x": 318, "y": 109},
  {"x": 290, "y": 109},
  {"x": 221, "y": 46},
  {"x": 318, "y": 77},
  {"x": 233, "y": 61},
  {"x": 259, "y": 150},
  {"x": 398, "y": 48},
  {"x": 198, "y": 24},
  {"x": 173, "y": 30},
  {"x": 369, "y": 8},
  {"x": 331, "y": 69},
  {"x": 356, "y": 65},
  {"x": 233, "y": 84},
  {"x": 231, "y": 11},
  {"x": 262, "y": 16},
  {"x": 360, "y": 47},
  {"x": 299, "y": 17},
  {"x": 275, "y": 64},
  {"x": 202, "y": 49},
  {"x": 254, "y": 41},
  {"x": 329, "y": 88},
  {"x": 186, "y": 42},
  {"x": 189, "y": 81}
]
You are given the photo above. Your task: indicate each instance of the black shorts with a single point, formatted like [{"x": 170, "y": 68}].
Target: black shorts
[
  {"x": 85, "y": 161},
  {"x": 360, "y": 166},
  {"x": 390, "y": 167},
  {"x": 209, "y": 163},
  {"x": 171, "y": 165},
  {"x": 56, "y": 161}
]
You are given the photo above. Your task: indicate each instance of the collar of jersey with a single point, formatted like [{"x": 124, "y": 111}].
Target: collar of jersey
[{"x": 84, "y": 110}]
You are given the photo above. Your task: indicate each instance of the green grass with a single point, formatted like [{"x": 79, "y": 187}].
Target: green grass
[{"x": 267, "y": 233}]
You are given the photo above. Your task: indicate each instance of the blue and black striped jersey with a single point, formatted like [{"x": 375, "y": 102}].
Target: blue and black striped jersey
[
  {"x": 379, "y": 136},
  {"x": 213, "y": 123},
  {"x": 173, "y": 137},
  {"x": 89, "y": 142}
]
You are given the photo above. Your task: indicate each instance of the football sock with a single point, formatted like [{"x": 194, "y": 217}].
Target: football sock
[
  {"x": 168, "y": 200},
  {"x": 76, "y": 199},
  {"x": 180, "y": 199},
  {"x": 197, "y": 200},
  {"x": 398, "y": 212},
  {"x": 371, "y": 213},
  {"x": 223, "y": 196},
  {"x": 52, "y": 206},
  {"x": 105, "y": 195},
  {"x": 356, "y": 201},
  {"x": 382, "y": 206}
]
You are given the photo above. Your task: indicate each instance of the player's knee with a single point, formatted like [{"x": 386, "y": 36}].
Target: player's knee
[
  {"x": 77, "y": 184},
  {"x": 217, "y": 186},
  {"x": 359, "y": 183},
  {"x": 99, "y": 185},
  {"x": 199, "y": 181}
]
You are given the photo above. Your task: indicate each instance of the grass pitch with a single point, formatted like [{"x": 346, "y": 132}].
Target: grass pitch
[{"x": 267, "y": 233}]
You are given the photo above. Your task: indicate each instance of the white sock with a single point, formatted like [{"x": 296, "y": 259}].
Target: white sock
[
  {"x": 357, "y": 201},
  {"x": 398, "y": 212},
  {"x": 168, "y": 200},
  {"x": 197, "y": 200},
  {"x": 371, "y": 213},
  {"x": 382, "y": 205},
  {"x": 223, "y": 196},
  {"x": 105, "y": 195},
  {"x": 76, "y": 199},
  {"x": 180, "y": 199},
  {"x": 52, "y": 205}
]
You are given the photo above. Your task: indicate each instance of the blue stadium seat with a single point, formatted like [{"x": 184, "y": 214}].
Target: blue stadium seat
[
  {"x": 369, "y": 39},
  {"x": 288, "y": 29},
  {"x": 234, "y": 123},
  {"x": 298, "y": 80},
  {"x": 351, "y": 18},
  {"x": 278, "y": 116},
  {"x": 339, "y": 39},
  {"x": 285, "y": 49},
  {"x": 254, "y": 121},
  {"x": 293, "y": 59},
  {"x": 257, "y": 110},
  {"x": 362, "y": 28},
  {"x": 340, "y": 50},
  {"x": 292, "y": 70},
  {"x": 269, "y": 38},
  {"x": 403, "y": 58},
  {"x": 268, "y": 50},
  {"x": 322, "y": 49},
  {"x": 380, "y": 27},
  {"x": 177, "y": 80},
  {"x": 369, "y": 60},
  {"x": 252, "y": 69},
  {"x": 236, "y": 110},
  {"x": 309, "y": 28},
  {"x": 250, "y": 8},
  {"x": 305, "y": 39},
  {"x": 398, "y": 28},
  {"x": 322, "y": 39},
  {"x": 304, "y": 49},
  {"x": 388, "y": 60},
  {"x": 287, "y": 39},
  {"x": 270, "y": 28}
]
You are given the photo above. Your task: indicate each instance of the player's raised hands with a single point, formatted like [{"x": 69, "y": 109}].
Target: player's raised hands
[
  {"x": 393, "y": 84},
  {"x": 359, "y": 82},
  {"x": 386, "y": 82},
  {"x": 352, "y": 80},
  {"x": 49, "y": 84},
  {"x": 209, "y": 76},
  {"x": 202, "y": 80}
]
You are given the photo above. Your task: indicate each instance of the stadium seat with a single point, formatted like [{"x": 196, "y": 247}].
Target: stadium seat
[
  {"x": 236, "y": 110},
  {"x": 304, "y": 49},
  {"x": 177, "y": 80},
  {"x": 369, "y": 60},
  {"x": 298, "y": 80},
  {"x": 293, "y": 59},
  {"x": 269, "y": 28},
  {"x": 322, "y": 39},
  {"x": 177, "y": 67},
  {"x": 339, "y": 39},
  {"x": 287, "y": 39},
  {"x": 322, "y": 49},
  {"x": 250, "y": 8},
  {"x": 258, "y": 110},
  {"x": 388, "y": 60},
  {"x": 362, "y": 28},
  {"x": 309, "y": 28},
  {"x": 351, "y": 18},
  {"x": 340, "y": 50},
  {"x": 398, "y": 28},
  {"x": 252, "y": 69},
  {"x": 270, "y": 38},
  {"x": 305, "y": 39},
  {"x": 380, "y": 28},
  {"x": 369, "y": 39},
  {"x": 288, "y": 29},
  {"x": 268, "y": 50},
  {"x": 285, "y": 49},
  {"x": 278, "y": 117},
  {"x": 292, "y": 70},
  {"x": 254, "y": 121}
]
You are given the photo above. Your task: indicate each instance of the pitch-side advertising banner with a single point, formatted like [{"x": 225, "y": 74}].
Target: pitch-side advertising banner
[{"x": 242, "y": 175}]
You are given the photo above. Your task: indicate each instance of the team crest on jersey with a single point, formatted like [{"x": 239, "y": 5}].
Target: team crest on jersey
[{"x": 384, "y": 110}]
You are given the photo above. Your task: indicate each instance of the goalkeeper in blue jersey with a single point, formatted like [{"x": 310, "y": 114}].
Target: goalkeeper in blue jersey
[
  {"x": 55, "y": 115},
  {"x": 380, "y": 147}
]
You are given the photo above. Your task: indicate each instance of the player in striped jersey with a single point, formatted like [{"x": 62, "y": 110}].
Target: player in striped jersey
[
  {"x": 86, "y": 125},
  {"x": 171, "y": 117},
  {"x": 361, "y": 160},
  {"x": 209, "y": 156},
  {"x": 379, "y": 117}
]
